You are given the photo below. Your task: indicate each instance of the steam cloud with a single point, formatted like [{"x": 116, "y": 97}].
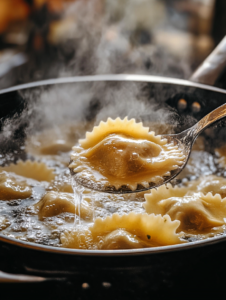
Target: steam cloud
[{"x": 101, "y": 44}]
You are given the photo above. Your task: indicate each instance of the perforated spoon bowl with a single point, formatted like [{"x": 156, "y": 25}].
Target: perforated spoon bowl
[{"x": 183, "y": 140}]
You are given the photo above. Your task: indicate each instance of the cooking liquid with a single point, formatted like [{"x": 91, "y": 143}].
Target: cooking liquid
[
  {"x": 78, "y": 196},
  {"x": 19, "y": 219}
]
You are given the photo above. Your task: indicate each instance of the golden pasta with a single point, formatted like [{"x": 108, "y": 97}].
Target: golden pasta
[
  {"x": 195, "y": 211},
  {"x": 54, "y": 203},
  {"x": 12, "y": 188},
  {"x": 119, "y": 152},
  {"x": 30, "y": 169},
  {"x": 124, "y": 153},
  {"x": 131, "y": 230}
]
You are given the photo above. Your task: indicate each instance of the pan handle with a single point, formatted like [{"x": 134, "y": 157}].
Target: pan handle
[
  {"x": 212, "y": 67},
  {"x": 19, "y": 278}
]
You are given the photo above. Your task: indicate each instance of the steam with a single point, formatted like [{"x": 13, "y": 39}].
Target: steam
[
  {"x": 90, "y": 103},
  {"x": 96, "y": 40},
  {"x": 130, "y": 100},
  {"x": 116, "y": 37}
]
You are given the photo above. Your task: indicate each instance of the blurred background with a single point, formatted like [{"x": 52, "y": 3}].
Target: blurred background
[{"x": 42, "y": 39}]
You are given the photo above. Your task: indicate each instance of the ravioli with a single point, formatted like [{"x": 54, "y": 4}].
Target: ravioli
[
  {"x": 12, "y": 188},
  {"x": 221, "y": 153},
  {"x": 61, "y": 183},
  {"x": 53, "y": 147},
  {"x": 55, "y": 141},
  {"x": 31, "y": 169},
  {"x": 117, "y": 152},
  {"x": 124, "y": 153},
  {"x": 195, "y": 211},
  {"x": 122, "y": 232},
  {"x": 205, "y": 184},
  {"x": 54, "y": 203},
  {"x": 4, "y": 223}
]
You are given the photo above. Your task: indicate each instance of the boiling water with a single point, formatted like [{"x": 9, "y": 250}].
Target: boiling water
[
  {"x": 78, "y": 196},
  {"x": 19, "y": 219}
]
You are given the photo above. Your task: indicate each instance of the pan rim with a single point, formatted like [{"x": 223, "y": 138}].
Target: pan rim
[
  {"x": 121, "y": 252},
  {"x": 113, "y": 77}
]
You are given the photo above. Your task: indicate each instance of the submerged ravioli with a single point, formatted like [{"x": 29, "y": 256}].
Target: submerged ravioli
[
  {"x": 55, "y": 141},
  {"x": 221, "y": 153},
  {"x": 122, "y": 239},
  {"x": 30, "y": 169},
  {"x": 195, "y": 211},
  {"x": 56, "y": 147},
  {"x": 205, "y": 184},
  {"x": 4, "y": 223},
  {"x": 12, "y": 188},
  {"x": 124, "y": 153},
  {"x": 122, "y": 232},
  {"x": 55, "y": 203}
]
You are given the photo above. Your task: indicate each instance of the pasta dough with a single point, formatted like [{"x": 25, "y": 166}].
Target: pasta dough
[
  {"x": 195, "y": 211},
  {"x": 29, "y": 169},
  {"x": 221, "y": 152},
  {"x": 129, "y": 230},
  {"x": 122, "y": 239},
  {"x": 54, "y": 203},
  {"x": 12, "y": 188},
  {"x": 55, "y": 141},
  {"x": 173, "y": 215},
  {"x": 4, "y": 223},
  {"x": 206, "y": 184},
  {"x": 61, "y": 184},
  {"x": 124, "y": 153},
  {"x": 49, "y": 142}
]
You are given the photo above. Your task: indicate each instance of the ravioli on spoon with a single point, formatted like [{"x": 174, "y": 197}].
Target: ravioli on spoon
[{"x": 123, "y": 155}]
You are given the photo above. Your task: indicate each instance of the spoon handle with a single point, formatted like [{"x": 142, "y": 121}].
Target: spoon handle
[
  {"x": 188, "y": 136},
  {"x": 214, "y": 116},
  {"x": 213, "y": 65}
]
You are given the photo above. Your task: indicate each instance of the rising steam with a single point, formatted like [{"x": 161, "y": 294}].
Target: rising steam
[{"x": 102, "y": 40}]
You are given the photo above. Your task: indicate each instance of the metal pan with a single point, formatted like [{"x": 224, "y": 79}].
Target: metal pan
[{"x": 162, "y": 265}]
